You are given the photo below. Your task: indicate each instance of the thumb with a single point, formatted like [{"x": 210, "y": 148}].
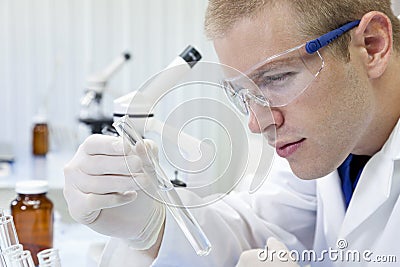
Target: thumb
[
  {"x": 87, "y": 211},
  {"x": 274, "y": 244},
  {"x": 106, "y": 201},
  {"x": 148, "y": 152}
]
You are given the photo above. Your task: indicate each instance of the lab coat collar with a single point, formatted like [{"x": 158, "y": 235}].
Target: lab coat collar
[
  {"x": 392, "y": 146},
  {"x": 331, "y": 201},
  {"x": 374, "y": 185}
]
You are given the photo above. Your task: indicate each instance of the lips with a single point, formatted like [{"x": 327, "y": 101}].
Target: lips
[{"x": 287, "y": 149}]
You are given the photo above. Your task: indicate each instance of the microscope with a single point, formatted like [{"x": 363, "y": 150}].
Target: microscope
[
  {"x": 91, "y": 110},
  {"x": 138, "y": 105}
]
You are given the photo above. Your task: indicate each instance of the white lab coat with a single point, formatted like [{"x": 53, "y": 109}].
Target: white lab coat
[{"x": 302, "y": 214}]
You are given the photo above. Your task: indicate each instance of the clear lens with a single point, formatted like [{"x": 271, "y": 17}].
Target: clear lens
[
  {"x": 276, "y": 81},
  {"x": 238, "y": 98}
]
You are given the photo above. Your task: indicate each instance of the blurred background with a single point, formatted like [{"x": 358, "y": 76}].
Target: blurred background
[{"x": 50, "y": 47}]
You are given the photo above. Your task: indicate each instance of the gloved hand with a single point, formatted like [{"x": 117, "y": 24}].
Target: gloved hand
[
  {"x": 101, "y": 193},
  {"x": 267, "y": 257}
]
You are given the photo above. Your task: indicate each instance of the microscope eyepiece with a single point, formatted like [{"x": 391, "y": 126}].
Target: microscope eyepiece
[
  {"x": 191, "y": 55},
  {"x": 127, "y": 56}
]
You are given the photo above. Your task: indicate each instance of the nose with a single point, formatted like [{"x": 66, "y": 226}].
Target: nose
[{"x": 261, "y": 119}]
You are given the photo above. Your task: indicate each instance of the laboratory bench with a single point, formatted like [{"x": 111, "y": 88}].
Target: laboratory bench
[{"x": 78, "y": 245}]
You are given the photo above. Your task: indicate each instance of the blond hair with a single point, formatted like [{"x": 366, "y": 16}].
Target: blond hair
[{"x": 313, "y": 17}]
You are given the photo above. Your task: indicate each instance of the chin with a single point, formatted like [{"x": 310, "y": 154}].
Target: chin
[{"x": 309, "y": 172}]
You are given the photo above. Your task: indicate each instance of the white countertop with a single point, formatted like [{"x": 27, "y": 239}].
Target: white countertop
[
  {"x": 29, "y": 167},
  {"x": 78, "y": 245}
]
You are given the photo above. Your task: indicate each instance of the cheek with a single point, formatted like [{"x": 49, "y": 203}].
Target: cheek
[
  {"x": 336, "y": 101},
  {"x": 331, "y": 114},
  {"x": 339, "y": 112}
]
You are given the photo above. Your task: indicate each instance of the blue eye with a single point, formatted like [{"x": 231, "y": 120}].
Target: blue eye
[
  {"x": 276, "y": 81},
  {"x": 279, "y": 77}
]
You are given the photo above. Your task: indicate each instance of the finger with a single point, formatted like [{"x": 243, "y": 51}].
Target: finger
[
  {"x": 142, "y": 181},
  {"x": 98, "y": 184},
  {"x": 115, "y": 165},
  {"x": 97, "y": 202},
  {"x": 150, "y": 144},
  {"x": 85, "y": 208},
  {"x": 147, "y": 151},
  {"x": 274, "y": 243},
  {"x": 98, "y": 144},
  {"x": 92, "y": 205},
  {"x": 103, "y": 184},
  {"x": 107, "y": 184}
]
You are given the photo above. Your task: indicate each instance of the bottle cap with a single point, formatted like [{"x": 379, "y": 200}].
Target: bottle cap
[
  {"x": 39, "y": 119},
  {"x": 32, "y": 187}
]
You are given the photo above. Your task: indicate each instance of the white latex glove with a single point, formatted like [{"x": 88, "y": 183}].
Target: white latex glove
[
  {"x": 101, "y": 193},
  {"x": 267, "y": 258}
]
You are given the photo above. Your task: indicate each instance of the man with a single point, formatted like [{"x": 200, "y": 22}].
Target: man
[{"x": 337, "y": 128}]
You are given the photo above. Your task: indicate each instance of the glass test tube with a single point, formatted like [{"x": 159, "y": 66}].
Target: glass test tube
[
  {"x": 167, "y": 192},
  {"x": 8, "y": 234},
  {"x": 2, "y": 259},
  {"x": 22, "y": 259},
  {"x": 49, "y": 258},
  {"x": 8, "y": 238},
  {"x": 11, "y": 252}
]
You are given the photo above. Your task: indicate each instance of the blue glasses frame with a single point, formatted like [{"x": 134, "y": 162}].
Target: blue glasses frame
[{"x": 316, "y": 44}]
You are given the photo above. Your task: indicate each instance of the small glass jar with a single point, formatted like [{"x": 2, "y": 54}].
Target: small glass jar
[
  {"x": 33, "y": 216},
  {"x": 40, "y": 136}
]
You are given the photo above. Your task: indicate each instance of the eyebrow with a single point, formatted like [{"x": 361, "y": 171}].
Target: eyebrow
[{"x": 266, "y": 67}]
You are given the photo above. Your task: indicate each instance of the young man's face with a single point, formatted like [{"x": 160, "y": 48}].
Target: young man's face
[{"x": 317, "y": 130}]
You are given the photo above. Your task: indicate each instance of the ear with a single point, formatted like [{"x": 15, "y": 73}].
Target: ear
[{"x": 374, "y": 36}]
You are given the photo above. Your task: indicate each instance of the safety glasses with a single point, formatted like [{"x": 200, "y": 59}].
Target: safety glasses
[{"x": 278, "y": 80}]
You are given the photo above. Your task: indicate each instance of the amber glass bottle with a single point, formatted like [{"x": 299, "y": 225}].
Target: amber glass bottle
[
  {"x": 33, "y": 216},
  {"x": 40, "y": 136}
]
